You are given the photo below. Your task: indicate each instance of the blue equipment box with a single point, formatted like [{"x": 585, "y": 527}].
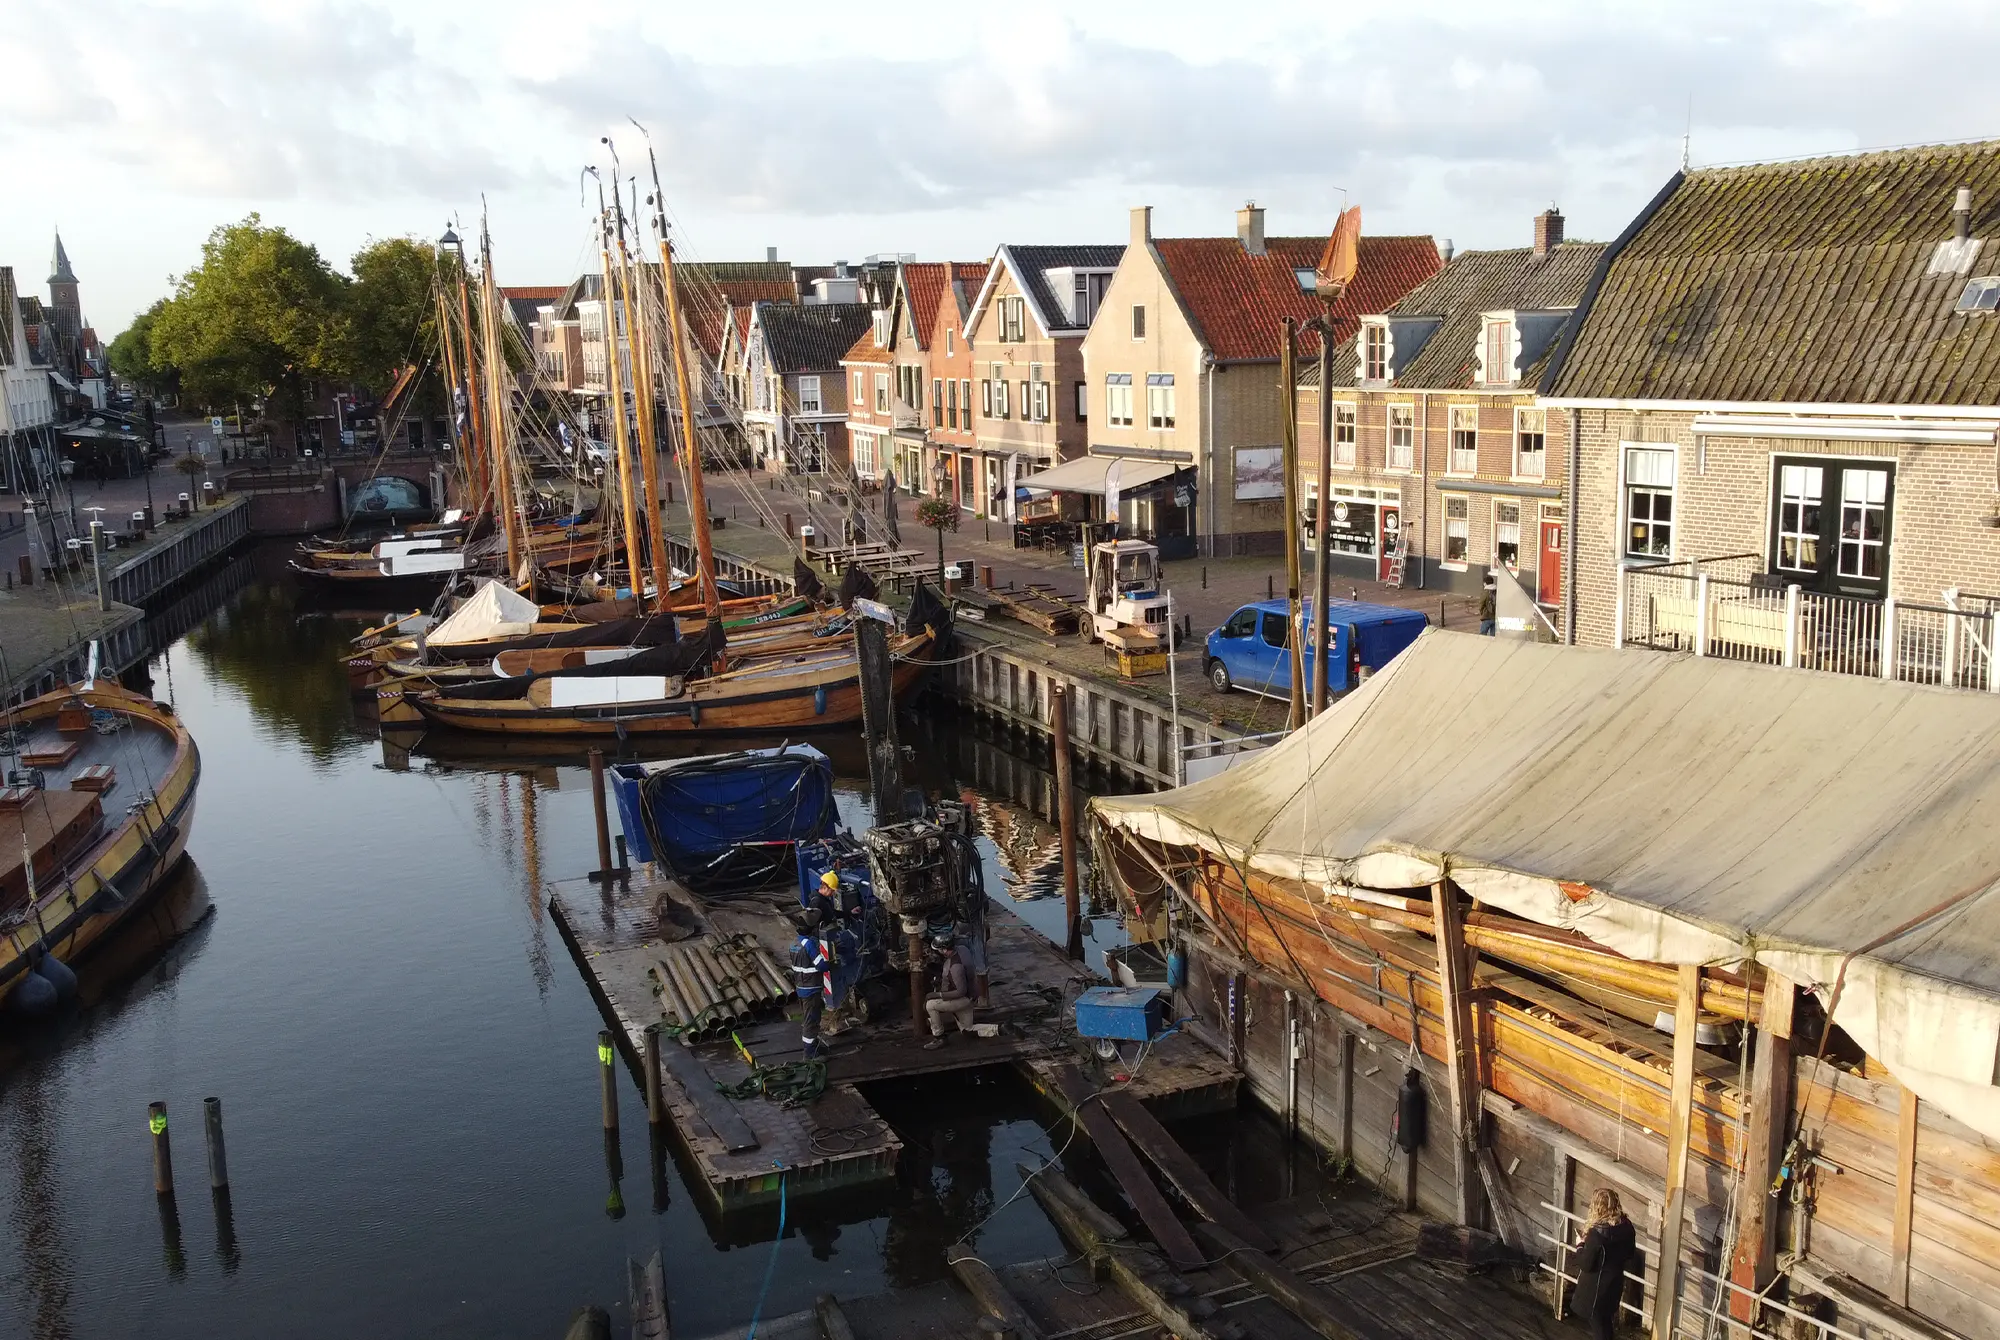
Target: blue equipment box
[{"x": 1122, "y": 1013}]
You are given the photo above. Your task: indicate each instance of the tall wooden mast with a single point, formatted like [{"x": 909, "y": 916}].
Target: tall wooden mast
[
  {"x": 449, "y": 358},
  {"x": 642, "y": 403},
  {"x": 704, "y": 543},
  {"x": 616, "y": 387},
  {"x": 501, "y": 455},
  {"x": 474, "y": 419}
]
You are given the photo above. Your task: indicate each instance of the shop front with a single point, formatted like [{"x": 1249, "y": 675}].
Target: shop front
[
  {"x": 1147, "y": 500},
  {"x": 1364, "y": 528}
]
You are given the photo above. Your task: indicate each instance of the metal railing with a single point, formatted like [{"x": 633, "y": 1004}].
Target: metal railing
[
  {"x": 1703, "y": 1311},
  {"x": 1693, "y": 607}
]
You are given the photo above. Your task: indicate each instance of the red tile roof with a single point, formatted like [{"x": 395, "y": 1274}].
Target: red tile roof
[
  {"x": 969, "y": 275},
  {"x": 865, "y": 350},
  {"x": 927, "y": 282},
  {"x": 1237, "y": 300}
]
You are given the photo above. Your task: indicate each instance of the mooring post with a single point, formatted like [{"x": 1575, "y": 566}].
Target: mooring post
[
  {"x": 607, "y": 1055},
  {"x": 163, "y": 1155},
  {"x": 603, "y": 819},
  {"x": 1066, "y": 820},
  {"x": 218, "y": 1160},
  {"x": 656, "y": 1099}
]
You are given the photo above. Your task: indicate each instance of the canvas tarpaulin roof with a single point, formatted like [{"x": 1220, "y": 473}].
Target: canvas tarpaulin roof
[
  {"x": 1673, "y": 808},
  {"x": 1087, "y": 474},
  {"x": 491, "y": 611}
]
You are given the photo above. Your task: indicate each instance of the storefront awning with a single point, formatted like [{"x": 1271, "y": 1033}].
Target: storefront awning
[{"x": 1086, "y": 475}]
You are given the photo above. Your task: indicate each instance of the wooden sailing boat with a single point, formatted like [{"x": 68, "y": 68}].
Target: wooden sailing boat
[
  {"x": 96, "y": 813},
  {"x": 799, "y": 678}
]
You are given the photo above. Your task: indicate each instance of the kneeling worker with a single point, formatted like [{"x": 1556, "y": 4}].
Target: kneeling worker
[
  {"x": 811, "y": 965},
  {"x": 953, "y": 998}
]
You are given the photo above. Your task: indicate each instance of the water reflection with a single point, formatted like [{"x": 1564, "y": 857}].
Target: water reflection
[{"x": 290, "y": 668}]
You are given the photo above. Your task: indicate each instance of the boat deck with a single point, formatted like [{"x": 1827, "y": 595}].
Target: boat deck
[
  {"x": 737, "y": 1146},
  {"x": 1355, "y": 1252},
  {"x": 72, "y": 769}
]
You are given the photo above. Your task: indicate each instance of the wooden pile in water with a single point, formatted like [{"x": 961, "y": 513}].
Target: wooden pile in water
[{"x": 708, "y": 986}]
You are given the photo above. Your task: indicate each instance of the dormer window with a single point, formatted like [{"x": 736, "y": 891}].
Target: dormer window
[
  {"x": 1374, "y": 353},
  {"x": 1087, "y": 295},
  {"x": 1980, "y": 295},
  {"x": 1013, "y": 320},
  {"x": 1497, "y": 358},
  {"x": 882, "y": 327}
]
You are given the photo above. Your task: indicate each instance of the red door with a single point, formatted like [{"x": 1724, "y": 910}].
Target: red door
[
  {"x": 1548, "y": 585},
  {"x": 1388, "y": 541}
]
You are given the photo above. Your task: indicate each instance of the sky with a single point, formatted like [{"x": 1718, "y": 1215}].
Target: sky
[{"x": 833, "y": 133}]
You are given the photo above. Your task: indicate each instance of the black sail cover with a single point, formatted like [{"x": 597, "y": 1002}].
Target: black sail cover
[{"x": 655, "y": 630}]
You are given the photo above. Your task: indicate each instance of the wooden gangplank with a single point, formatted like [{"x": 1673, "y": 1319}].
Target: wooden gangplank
[
  {"x": 1087, "y": 1108},
  {"x": 1174, "y": 1163},
  {"x": 1039, "y": 606}
]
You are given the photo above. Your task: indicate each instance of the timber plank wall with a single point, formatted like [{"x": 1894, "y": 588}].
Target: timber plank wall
[{"x": 1567, "y": 1112}]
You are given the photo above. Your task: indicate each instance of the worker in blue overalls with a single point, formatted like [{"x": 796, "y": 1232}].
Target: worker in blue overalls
[{"x": 812, "y": 967}]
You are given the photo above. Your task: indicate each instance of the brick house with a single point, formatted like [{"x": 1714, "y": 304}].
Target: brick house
[
  {"x": 1786, "y": 392},
  {"x": 1181, "y": 363},
  {"x": 950, "y": 428},
  {"x": 707, "y": 292},
  {"x": 794, "y": 409},
  {"x": 1024, "y": 358},
  {"x": 920, "y": 293},
  {"x": 1441, "y": 451},
  {"x": 868, "y": 381}
]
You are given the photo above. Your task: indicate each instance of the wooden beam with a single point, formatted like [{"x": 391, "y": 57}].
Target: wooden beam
[
  {"x": 993, "y": 1297},
  {"x": 1158, "y": 1216},
  {"x": 1559, "y": 1196},
  {"x": 1158, "y": 1145},
  {"x": 1053, "y": 1193},
  {"x": 1459, "y": 1044},
  {"x": 1346, "y": 1097},
  {"x": 1687, "y": 1016},
  {"x": 1906, "y": 1197},
  {"x": 1753, "y": 1265},
  {"x": 1302, "y": 1300}
]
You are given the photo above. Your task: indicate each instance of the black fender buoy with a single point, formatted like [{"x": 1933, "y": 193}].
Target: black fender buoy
[
  {"x": 1412, "y": 1113},
  {"x": 33, "y": 997},
  {"x": 60, "y": 976}
]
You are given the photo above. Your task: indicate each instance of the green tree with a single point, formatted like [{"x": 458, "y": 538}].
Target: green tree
[
  {"x": 132, "y": 354},
  {"x": 392, "y": 310},
  {"x": 263, "y": 315}
]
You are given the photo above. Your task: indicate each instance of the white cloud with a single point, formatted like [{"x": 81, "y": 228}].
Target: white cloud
[{"x": 892, "y": 129}]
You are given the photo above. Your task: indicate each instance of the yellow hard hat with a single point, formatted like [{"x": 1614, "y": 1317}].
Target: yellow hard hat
[{"x": 830, "y": 880}]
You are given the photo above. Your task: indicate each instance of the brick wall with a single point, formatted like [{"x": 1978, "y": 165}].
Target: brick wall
[{"x": 1722, "y": 505}]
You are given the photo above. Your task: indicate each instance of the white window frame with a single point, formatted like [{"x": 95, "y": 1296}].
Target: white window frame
[
  {"x": 881, "y": 393},
  {"x": 937, "y": 403},
  {"x": 1500, "y": 372},
  {"x": 1408, "y": 427},
  {"x": 810, "y": 401},
  {"x": 950, "y": 344},
  {"x": 1374, "y": 352},
  {"x": 1818, "y": 501},
  {"x": 1138, "y": 323},
  {"x": 1651, "y": 456},
  {"x": 860, "y": 388},
  {"x": 1458, "y": 528},
  {"x": 1346, "y": 433},
  {"x": 1000, "y": 398},
  {"x": 1118, "y": 399},
  {"x": 1499, "y": 538},
  {"x": 1083, "y": 402},
  {"x": 1160, "y": 401},
  {"x": 1462, "y": 420},
  {"x": 1522, "y": 463}
]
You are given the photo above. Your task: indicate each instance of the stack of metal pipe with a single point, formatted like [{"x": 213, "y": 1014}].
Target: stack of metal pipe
[{"x": 708, "y": 986}]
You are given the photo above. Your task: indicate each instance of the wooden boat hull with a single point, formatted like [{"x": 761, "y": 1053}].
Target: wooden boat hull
[
  {"x": 818, "y": 699},
  {"x": 109, "y": 879}
]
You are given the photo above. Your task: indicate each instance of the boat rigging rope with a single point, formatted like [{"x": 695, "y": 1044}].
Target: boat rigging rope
[{"x": 770, "y": 1269}]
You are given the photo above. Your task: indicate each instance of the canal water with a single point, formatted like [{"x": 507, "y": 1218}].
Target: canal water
[{"x": 359, "y": 963}]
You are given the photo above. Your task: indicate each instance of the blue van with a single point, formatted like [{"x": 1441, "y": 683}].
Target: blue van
[{"x": 1251, "y": 650}]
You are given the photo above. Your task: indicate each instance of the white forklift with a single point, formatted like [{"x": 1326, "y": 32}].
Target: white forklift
[{"x": 1128, "y": 606}]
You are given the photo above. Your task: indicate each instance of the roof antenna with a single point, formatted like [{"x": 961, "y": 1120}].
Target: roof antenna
[{"x": 1687, "y": 136}]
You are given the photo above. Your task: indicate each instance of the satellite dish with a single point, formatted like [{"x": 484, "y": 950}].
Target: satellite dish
[{"x": 1342, "y": 256}]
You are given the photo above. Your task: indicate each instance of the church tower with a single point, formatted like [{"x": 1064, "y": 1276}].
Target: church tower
[{"x": 65, "y": 301}]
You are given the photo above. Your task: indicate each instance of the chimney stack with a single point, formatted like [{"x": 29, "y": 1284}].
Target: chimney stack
[
  {"x": 1250, "y": 228},
  {"x": 1961, "y": 214},
  {"x": 1142, "y": 225},
  {"x": 1548, "y": 230},
  {"x": 840, "y": 269},
  {"x": 770, "y": 253},
  {"x": 1445, "y": 250}
]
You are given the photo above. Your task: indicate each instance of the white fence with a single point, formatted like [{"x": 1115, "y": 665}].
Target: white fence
[
  {"x": 1693, "y": 607},
  {"x": 1705, "y": 1310}
]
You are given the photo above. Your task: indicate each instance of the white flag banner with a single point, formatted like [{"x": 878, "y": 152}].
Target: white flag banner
[
  {"x": 1111, "y": 499},
  {"x": 1011, "y": 509}
]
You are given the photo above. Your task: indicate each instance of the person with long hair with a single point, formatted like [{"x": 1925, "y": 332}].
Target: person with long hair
[{"x": 1609, "y": 1245}]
